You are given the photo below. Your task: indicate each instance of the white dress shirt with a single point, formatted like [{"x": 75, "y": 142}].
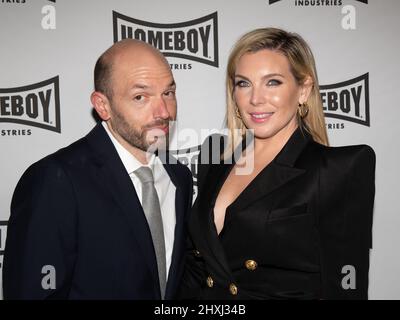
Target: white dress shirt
[{"x": 164, "y": 187}]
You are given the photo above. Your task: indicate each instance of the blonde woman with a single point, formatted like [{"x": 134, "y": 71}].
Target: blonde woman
[{"x": 298, "y": 224}]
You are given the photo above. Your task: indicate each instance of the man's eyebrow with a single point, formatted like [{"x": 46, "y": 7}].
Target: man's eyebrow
[
  {"x": 144, "y": 87},
  {"x": 139, "y": 86}
]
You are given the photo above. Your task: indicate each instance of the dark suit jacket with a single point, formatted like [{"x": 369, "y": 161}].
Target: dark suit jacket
[
  {"x": 77, "y": 210},
  {"x": 295, "y": 232}
]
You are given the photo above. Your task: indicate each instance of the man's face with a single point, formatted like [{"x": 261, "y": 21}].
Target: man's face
[{"x": 143, "y": 101}]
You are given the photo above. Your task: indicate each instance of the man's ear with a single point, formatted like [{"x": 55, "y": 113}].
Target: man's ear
[
  {"x": 101, "y": 104},
  {"x": 306, "y": 88}
]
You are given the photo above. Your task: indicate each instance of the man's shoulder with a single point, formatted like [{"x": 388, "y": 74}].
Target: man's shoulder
[
  {"x": 76, "y": 155},
  {"x": 49, "y": 173}
]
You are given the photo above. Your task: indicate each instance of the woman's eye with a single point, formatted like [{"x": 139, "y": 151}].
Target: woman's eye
[
  {"x": 241, "y": 83},
  {"x": 274, "y": 82}
]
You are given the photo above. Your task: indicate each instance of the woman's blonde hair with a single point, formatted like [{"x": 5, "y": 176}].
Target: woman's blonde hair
[{"x": 302, "y": 66}]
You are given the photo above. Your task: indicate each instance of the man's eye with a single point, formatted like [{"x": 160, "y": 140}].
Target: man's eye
[
  {"x": 138, "y": 97},
  {"x": 274, "y": 82},
  {"x": 170, "y": 93},
  {"x": 241, "y": 83}
]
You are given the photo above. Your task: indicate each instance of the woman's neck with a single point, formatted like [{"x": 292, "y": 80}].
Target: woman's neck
[{"x": 270, "y": 147}]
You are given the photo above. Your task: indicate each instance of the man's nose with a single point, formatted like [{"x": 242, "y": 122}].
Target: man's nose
[{"x": 161, "y": 110}]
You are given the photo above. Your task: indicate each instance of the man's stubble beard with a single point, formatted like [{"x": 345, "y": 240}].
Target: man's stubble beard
[{"x": 134, "y": 137}]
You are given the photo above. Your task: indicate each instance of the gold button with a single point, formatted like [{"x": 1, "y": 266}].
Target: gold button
[
  {"x": 196, "y": 253},
  {"x": 210, "y": 282},
  {"x": 233, "y": 289},
  {"x": 251, "y": 265}
]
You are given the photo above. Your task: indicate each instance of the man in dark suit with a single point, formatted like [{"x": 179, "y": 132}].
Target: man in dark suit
[{"x": 86, "y": 222}]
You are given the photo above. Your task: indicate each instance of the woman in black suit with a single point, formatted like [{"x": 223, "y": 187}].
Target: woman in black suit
[{"x": 295, "y": 223}]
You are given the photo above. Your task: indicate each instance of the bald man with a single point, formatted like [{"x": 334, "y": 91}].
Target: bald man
[{"x": 84, "y": 222}]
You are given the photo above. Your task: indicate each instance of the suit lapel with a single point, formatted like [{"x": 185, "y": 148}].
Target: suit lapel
[
  {"x": 268, "y": 180},
  {"x": 113, "y": 176},
  {"x": 275, "y": 175}
]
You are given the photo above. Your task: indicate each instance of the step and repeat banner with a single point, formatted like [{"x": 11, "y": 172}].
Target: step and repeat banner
[{"x": 48, "y": 50}]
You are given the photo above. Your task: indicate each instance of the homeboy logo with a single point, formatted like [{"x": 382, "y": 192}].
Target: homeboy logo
[
  {"x": 190, "y": 158},
  {"x": 347, "y": 100},
  {"x": 195, "y": 40},
  {"x": 318, "y": 2},
  {"x": 36, "y": 105}
]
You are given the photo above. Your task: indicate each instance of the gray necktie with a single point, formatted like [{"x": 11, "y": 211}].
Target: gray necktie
[{"x": 151, "y": 208}]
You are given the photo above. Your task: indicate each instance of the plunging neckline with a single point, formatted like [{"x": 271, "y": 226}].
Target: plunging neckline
[
  {"x": 223, "y": 179},
  {"x": 227, "y": 170}
]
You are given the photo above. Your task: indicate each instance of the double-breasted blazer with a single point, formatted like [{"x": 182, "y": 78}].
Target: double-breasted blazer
[
  {"x": 76, "y": 217},
  {"x": 300, "y": 230}
]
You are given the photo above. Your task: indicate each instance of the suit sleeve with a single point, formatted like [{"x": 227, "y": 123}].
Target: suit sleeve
[
  {"x": 346, "y": 235},
  {"x": 41, "y": 244}
]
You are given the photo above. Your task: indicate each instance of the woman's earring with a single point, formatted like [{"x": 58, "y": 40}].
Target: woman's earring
[{"x": 302, "y": 110}]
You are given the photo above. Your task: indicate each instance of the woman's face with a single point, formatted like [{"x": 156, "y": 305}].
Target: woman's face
[{"x": 267, "y": 93}]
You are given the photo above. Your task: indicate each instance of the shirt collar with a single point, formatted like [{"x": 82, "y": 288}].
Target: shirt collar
[{"x": 130, "y": 162}]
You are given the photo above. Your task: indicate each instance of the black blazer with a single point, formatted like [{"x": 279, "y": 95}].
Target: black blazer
[
  {"x": 77, "y": 210},
  {"x": 294, "y": 233}
]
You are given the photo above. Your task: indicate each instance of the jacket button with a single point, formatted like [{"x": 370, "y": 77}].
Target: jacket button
[
  {"x": 251, "y": 265},
  {"x": 210, "y": 282},
  {"x": 233, "y": 289},
  {"x": 196, "y": 253}
]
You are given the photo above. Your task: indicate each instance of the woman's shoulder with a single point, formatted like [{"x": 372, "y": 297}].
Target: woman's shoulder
[
  {"x": 357, "y": 150},
  {"x": 347, "y": 154}
]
